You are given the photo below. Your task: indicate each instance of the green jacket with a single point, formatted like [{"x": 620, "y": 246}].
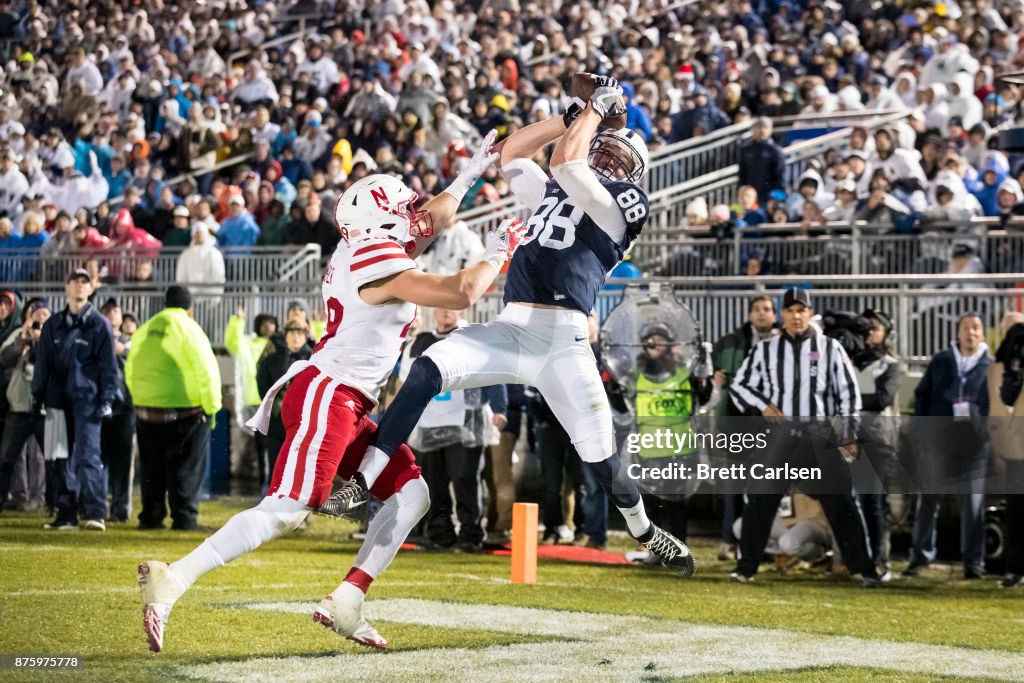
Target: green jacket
[
  {"x": 246, "y": 350},
  {"x": 171, "y": 364}
]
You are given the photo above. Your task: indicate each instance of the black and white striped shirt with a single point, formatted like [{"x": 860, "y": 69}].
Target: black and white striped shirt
[{"x": 805, "y": 376}]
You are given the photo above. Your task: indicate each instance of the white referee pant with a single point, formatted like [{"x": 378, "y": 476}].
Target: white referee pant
[{"x": 545, "y": 348}]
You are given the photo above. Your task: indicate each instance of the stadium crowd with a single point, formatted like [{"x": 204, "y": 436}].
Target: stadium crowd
[
  {"x": 104, "y": 105},
  {"x": 126, "y": 129}
]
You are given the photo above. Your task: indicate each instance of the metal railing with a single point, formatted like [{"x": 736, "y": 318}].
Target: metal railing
[
  {"x": 706, "y": 167},
  {"x": 159, "y": 265},
  {"x": 835, "y": 249},
  {"x": 668, "y": 206},
  {"x": 925, "y": 314},
  {"x": 308, "y": 23}
]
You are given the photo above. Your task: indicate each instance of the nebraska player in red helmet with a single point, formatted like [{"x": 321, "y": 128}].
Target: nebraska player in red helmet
[{"x": 371, "y": 290}]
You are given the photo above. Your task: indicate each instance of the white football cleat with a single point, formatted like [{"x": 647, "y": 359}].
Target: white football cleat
[
  {"x": 160, "y": 590},
  {"x": 342, "y": 612}
]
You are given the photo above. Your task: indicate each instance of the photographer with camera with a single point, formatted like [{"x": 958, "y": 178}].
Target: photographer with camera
[
  {"x": 878, "y": 376},
  {"x": 25, "y": 418},
  {"x": 1006, "y": 431}
]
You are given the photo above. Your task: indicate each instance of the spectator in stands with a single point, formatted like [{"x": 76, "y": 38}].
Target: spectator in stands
[
  {"x": 180, "y": 234},
  {"x": 1006, "y": 431},
  {"x": 117, "y": 434},
  {"x": 24, "y": 417},
  {"x": 313, "y": 228},
  {"x": 271, "y": 367},
  {"x": 456, "y": 248},
  {"x": 247, "y": 349},
  {"x": 274, "y": 225},
  {"x": 762, "y": 164},
  {"x": 201, "y": 266},
  {"x": 954, "y": 386},
  {"x": 239, "y": 229},
  {"x": 175, "y": 385},
  {"x": 76, "y": 380}
]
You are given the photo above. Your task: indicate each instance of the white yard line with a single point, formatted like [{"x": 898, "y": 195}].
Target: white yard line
[{"x": 608, "y": 647}]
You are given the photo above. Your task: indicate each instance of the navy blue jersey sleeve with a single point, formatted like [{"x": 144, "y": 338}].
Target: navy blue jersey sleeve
[{"x": 634, "y": 205}]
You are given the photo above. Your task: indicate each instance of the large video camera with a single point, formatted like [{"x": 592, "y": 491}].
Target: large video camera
[{"x": 850, "y": 329}]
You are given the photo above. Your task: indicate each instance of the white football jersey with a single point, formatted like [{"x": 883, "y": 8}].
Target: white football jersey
[{"x": 362, "y": 342}]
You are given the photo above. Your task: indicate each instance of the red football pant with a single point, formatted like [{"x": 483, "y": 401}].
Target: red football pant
[{"x": 327, "y": 433}]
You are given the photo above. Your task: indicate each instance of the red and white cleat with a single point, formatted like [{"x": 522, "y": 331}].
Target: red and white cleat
[
  {"x": 160, "y": 590},
  {"x": 342, "y": 612}
]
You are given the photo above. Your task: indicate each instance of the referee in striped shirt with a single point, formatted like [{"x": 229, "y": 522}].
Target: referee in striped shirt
[{"x": 805, "y": 379}]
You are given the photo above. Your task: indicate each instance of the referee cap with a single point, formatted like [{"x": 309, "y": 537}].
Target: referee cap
[{"x": 794, "y": 296}]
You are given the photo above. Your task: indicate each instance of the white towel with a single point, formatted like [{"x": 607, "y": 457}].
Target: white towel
[
  {"x": 260, "y": 422},
  {"x": 55, "y": 436}
]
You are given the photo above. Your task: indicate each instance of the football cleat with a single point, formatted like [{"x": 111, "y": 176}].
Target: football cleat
[
  {"x": 737, "y": 577},
  {"x": 342, "y": 612},
  {"x": 672, "y": 552},
  {"x": 160, "y": 590},
  {"x": 349, "y": 501}
]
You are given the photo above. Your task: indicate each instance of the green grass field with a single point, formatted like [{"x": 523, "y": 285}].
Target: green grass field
[{"x": 456, "y": 617}]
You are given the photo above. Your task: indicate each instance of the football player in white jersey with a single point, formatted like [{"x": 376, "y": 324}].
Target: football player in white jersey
[{"x": 371, "y": 290}]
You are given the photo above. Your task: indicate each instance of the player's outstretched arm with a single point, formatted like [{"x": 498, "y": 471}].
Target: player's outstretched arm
[
  {"x": 443, "y": 207},
  {"x": 569, "y": 165},
  {"x": 526, "y": 142},
  {"x": 454, "y": 292}
]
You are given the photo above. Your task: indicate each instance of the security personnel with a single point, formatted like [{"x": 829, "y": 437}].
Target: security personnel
[{"x": 801, "y": 377}]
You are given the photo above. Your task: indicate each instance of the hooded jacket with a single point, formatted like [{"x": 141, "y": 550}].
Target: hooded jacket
[
  {"x": 171, "y": 364},
  {"x": 76, "y": 369}
]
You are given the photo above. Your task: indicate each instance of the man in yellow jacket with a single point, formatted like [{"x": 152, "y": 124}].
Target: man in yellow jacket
[{"x": 175, "y": 383}]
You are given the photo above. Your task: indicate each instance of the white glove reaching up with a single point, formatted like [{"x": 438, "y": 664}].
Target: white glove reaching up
[
  {"x": 605, "y": 98},
  {"x": 503, "y": 241},
  {"x": 483, "y": 158}
]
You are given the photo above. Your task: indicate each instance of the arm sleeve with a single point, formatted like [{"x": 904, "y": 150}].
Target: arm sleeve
[
  {"x": 377, "y": 260},
  {"x": 747, "y": 388},
  {"x": 497, "y": 396},
  {"x": 42, "y": 371},
  {"x": 886, "y": 386},
  {"x": 203, "y": 368},
  {"x": 844, "y": 381},
  {"x": 234, "y": 334},
  {"x": 587, "y": 192},
  {"x": 922, "y": 394},
  {"x": 527, "y": 181},
  {"x": 108, "y": 365},
  {"x": 11, "y": 351}
]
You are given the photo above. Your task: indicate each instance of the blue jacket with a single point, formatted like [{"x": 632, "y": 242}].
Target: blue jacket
[
  {"x": 75, "y": 365},
  {"x": 940, "y": 387},
  {"x": 240, "y": 231},
  {"x": 636, "y": 118}
]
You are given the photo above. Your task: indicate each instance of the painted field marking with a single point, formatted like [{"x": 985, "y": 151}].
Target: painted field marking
[{"x": 606, "y": 647}]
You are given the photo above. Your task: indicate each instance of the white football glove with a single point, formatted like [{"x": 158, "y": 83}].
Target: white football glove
[
  {"x": 605, "y": 99},
  {"x": 483, "y": 158},
  {"x": 503, "y": 241}
]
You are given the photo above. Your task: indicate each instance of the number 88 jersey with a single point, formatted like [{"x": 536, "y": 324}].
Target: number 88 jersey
[{"x": 568, "y": 256}]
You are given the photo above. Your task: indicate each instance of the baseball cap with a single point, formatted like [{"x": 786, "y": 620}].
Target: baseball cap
[
  {"x": 237, "y": 199},
  {"x": 181, "y": 211},
  {"x": 79, "y": 273},
  {"x": 794, "y": 296}
]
